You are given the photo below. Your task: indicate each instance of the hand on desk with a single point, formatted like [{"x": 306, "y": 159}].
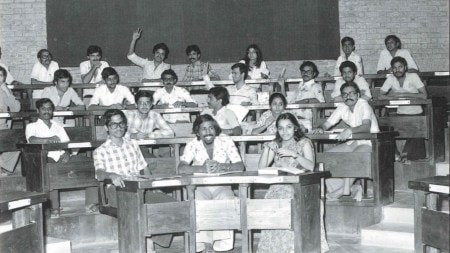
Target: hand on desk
[
  {"x": 117, "y": 181},
  {"x": 346, "y": 134},
  {"x": 53, "y": 139},
  {"x": 317, "y": 131}
]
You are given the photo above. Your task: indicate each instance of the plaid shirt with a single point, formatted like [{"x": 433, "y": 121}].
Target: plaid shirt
[
  {"x": 196, "y": 71},
  {"x": 124, "y": 160}
]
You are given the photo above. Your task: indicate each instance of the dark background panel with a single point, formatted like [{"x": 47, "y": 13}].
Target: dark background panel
[{"x": 284, "y": 30}]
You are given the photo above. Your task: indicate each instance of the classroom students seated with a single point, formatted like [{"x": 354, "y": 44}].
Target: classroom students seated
[
  {"x": 240, "y": 92},
  {"x": 111, "y": 95},
  {"x": 291, "y": 148},
  {"x": 348, "y": 49},
  {"x": 61, "y": 94},
  {"x": 211, "y": 153},
  {"x": 43, "y": 70},
  {"x": 172, "y": 96},
  {"x": 118, "y": 158},
  {"x": 9, "y": 77},
  {"x": 405, "y": 85},
  {"x": 151, "y": 70},
  {"x": 348, "y": 72},
  {"x": 393, "y": 49},
  {"x": 196, "y": 69},
  {"x": 359, "y": 116},
  {"x": 267, "y": 120},
  {"x": 144, "y": 123},
  {"x": 91, "y": 70},
  {"x": 8, "y": 103},
  {"x": 218, "y": 99}
]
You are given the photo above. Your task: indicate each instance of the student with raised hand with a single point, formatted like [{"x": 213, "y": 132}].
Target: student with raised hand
[
  {"x": 393, "y": 49},
  {"x": 145, "y": 123},
  {"x": 359, "y": 116},
  {"x": 153, "y": 69},
  {"x": 111, "y": 95},
  {"x": 43, "y": 70},
  {"x": 196, "y": 69},
  {"x": 210, "y": 152},
  {"x": 405, "y": 85},
  {"x": 349, "y": 74},
  {"x": 91, "y": 70},
  {"x": 267, "y": 120},
  {"x": 348, "y": 49},
  {"x": 290, "y": 148},
  {"x": 8, "y": 103},
  {"x": 218, "y": 99}
]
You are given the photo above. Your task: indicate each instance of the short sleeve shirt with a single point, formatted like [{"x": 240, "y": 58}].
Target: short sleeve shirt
[
  {"x": 411, "y": 84},
  {"x": 267, "y": 116},
  {"x": 124, "y": 160},
  {"x": 356, "y": 59},
  {"x": 244, "y": 94},
  {"x": 69, "y": 96},
  {"x": 9, "y": 77},
  {"x": 384, "y": 62},
  {"x": 149, "y": 71},
  {"x": 86, "y": 66},
  {"x": 147, "y": 125},
  {"x": 224, "y": 117},
  {"x": 41, "y": 130},
  {"x": 359, "y": 80},
  {"x": 362, "y": 111},
  {"x": 102, "y": 96},
  {"x": 225, "y": 151},
  {"x": 42, "y": 74},
  {"x": 255, "y": 73},
  {"x": 308, "y": 90}
]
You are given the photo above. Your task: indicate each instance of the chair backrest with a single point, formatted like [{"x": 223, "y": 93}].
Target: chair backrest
[{"x": 10, "y": 137}]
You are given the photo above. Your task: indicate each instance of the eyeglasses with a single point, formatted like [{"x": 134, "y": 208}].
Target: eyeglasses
[
  {"x": 166, "y": 80},
  {"x": 351, "y": 93},
  {"x": 308, "y": 72},
  {"x": 114, "y": 125}
]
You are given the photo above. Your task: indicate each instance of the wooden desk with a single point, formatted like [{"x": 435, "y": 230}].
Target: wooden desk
[
  {"x": 27, "y": 234},
  {"x": 431, "y": 225},
  {"x": 138, "y": 220}
]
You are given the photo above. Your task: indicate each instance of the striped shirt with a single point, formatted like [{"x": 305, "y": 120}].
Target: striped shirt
[{"x": 125, "y": 160}]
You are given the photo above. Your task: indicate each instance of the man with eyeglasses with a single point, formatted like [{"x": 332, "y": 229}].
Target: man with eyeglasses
[
  {"x": 359, "y": 116},
  {"x": 111, "y": 95},
  {"x": 118, "y": 158},
  {"x": 43, "y": 70},
  {"x": 172, "y": 96}
]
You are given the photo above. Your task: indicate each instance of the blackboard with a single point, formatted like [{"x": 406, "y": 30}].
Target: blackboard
[{"x": 284, "y": 30}]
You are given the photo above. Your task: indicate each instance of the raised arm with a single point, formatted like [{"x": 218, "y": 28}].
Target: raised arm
[{"x": 136, "y": 36}]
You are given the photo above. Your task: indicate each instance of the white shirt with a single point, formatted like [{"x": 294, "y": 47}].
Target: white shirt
[
  {"x": 384, "y": 63},
  {"x": 308, "y": 90},
  {"x": 244, "y": 94},
  {"x": 361, "y": 111},
  {"x": 411, "y": 84},
  {"x": 41, "y": 130},
  {"x": 255, "y": 73},
  {"x": 356, "y": 59},
  {"x": 224, "y": 117},
  {"x": 149, "y": 71},
  {"x": 69, "y": 96},
  {"x": 96, "y": 78},
  {"x": 161, "y": 96},
  {"x": 102, "y": 96},
  {"x": 359, "y": 80},
  {"x": 42, "y": 74},
  {"x": 9, "y": 77}
]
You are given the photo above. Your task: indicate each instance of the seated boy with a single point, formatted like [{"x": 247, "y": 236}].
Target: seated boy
[
  {"x": 348, "y": 72},
  {"x": 197, "y": 69},
  {"x": 91, "y": 70},
  {"x": 348, "y": 49}
]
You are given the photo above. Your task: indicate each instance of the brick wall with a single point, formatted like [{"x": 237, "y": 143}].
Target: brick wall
[{"x": 422, "y": 25}]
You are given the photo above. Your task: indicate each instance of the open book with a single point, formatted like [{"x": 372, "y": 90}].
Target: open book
[{"x": 277, "y": 170}]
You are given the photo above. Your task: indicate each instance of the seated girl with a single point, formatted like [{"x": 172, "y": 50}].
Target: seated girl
[{"x": 266, "y": 122}]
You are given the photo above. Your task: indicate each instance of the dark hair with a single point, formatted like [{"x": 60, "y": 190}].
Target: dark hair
[
  {"x": 242, "y": 68},
  {"x": 3, "y": 70},
  {"x": 109, "y": 71},
  {"x": 351, "y": 84},
  {"x": 348, "y": 64},
  {"x": 191, "y": 48},
  {"x": 202, "y": 119},
  {"x": 401, "y": 60},
  {"x": 259, "y": 57},
  {"x": 143, "y": 94},
  {"x": 220, "y": 93},
  {"x": 94, "y": 49},
  {"x": 170, "y": 72},
  {"x": 112, "y": 112},
  {"x": 278, "y": 95},
  {"x": 345, "y": 39},
  {"x": 162, "y": 46},
  {"x": 298, "y": 131},
  {"x": 395, "y": 38},
  {"x": 61, "y": 74},
  {"x": 39, "y": 54},
  {"x": 43, "y": 101},
  {"x": 311, "y": 64}
]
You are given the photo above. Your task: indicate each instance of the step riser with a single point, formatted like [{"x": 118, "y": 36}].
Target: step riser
[
  {"x": 442, "y": 169},
  {"x": 387, "y": 239},
  {"x": 398, "y": 215}
]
